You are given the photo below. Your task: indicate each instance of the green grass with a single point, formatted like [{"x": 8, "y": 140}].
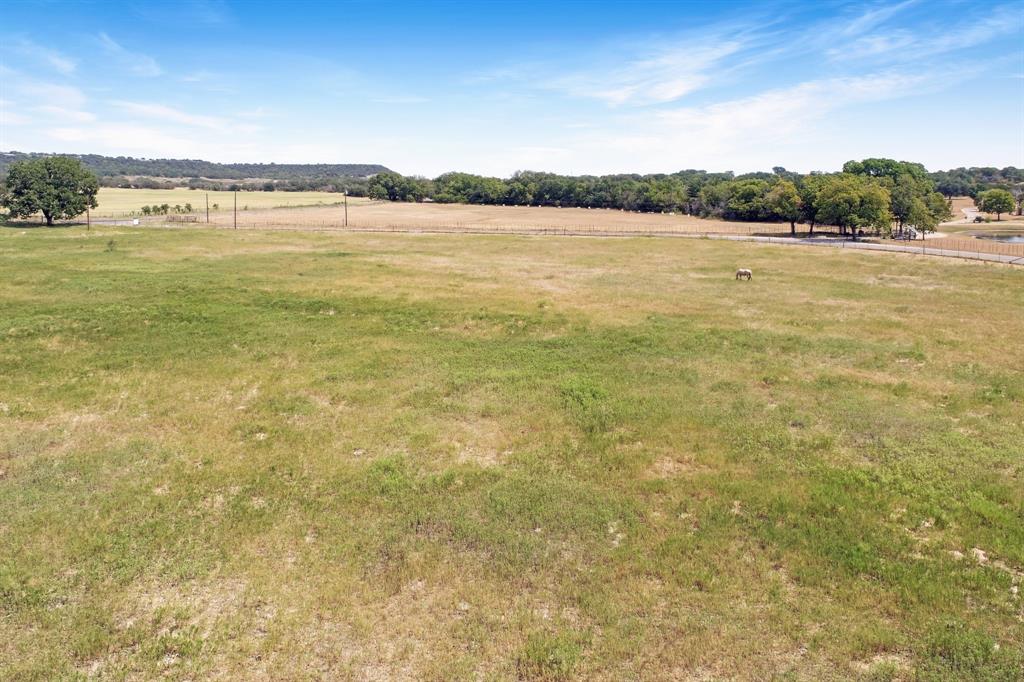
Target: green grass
[
  {"x": 114, "y": 200},
  {"x": 299, "y": 456}
]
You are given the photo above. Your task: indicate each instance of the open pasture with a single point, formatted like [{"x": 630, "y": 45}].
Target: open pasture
[
  {"x": 116, "y": 202},
  {"x": 426, "y": 216},
  {"x": 298, "y": 456}
]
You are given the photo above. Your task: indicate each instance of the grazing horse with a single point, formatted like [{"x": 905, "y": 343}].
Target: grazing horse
[{"x": 743, "y": 273}]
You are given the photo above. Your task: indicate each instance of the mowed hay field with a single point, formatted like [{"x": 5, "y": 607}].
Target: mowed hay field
[
  {"x": 116, "y": 201},
  {"x": 298, "y": 456},
  {"x": 428, "y": 216}
]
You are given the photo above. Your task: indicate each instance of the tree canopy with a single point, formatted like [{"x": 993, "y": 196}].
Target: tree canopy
[
  {"x": 391, "y": 186},
  {"x": 852, "y": 202},
  {"x": 59, "y": 187},
  {"x": 784, "y": 202},
  {"x": 998, "y": 201},
  {"x": 872, "y": 194}
]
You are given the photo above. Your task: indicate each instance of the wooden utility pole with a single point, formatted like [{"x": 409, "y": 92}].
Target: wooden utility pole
[
  {"x": 236, "y": 209},
  {"x": 346, "y": 209},
  {"x": 88, "y": 220},
  {"x": 207, "y": 207}
]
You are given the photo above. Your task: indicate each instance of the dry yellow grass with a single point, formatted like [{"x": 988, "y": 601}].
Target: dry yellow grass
[
  {"x": 114, "y": 201},
  {"x": 427, "y": 216}
]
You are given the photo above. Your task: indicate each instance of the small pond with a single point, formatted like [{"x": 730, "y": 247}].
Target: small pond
[{"x": 1011, "y": 238}]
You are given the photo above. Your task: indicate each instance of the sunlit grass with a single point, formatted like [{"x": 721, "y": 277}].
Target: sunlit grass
[{"x": 298, "y": 456}]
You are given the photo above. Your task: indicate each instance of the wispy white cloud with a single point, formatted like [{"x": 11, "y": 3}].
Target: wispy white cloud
[
  {"x": 872, "y": 17},
  {"x": 656, "y": 70},
  {"x": 56, "y": 60},
  {"x": 55, "y": 111},
  {"x": 737, "y": 132},
  {"x": 165, "y": 113},
  {"x": 784, "y": 111},
  {"x": 664, "y": 74},
  {"x": 10, "y": 117},
  {"x": 662, "y": 70},
  {"x": 154, "y": 141},
  {"x": 998, "y": 21},
  {"x": 133, "y": 139},
  {"x": 53, "y": 94},
  {"x": 873, "y": 37},
  {"x": 136, "y": 62},
  {"x": 175, "y": 116}
]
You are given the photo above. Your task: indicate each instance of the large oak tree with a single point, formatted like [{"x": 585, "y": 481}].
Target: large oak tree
[{"x": 56, "y": 186}]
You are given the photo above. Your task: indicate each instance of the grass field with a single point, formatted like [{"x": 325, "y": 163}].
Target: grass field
[
  {"x": 426, "y": 216},
  {"x": 296, "y": 456},
  {"x": 116, "y": 201}
]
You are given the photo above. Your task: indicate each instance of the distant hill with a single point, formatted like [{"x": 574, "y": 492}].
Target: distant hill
[{"x": 110, "y": 166}]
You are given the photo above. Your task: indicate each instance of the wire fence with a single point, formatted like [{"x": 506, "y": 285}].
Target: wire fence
[
  {"x": 961, "y": 247},
  {"x": 295, "y": 221},
  {"x": 992, "y": 246}
]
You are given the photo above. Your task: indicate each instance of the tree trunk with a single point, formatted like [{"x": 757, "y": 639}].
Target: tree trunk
[
  {"x": 49, "y": 218},
  {"x": 792, "y": 228},
  {"x": 811, "y": 230}
]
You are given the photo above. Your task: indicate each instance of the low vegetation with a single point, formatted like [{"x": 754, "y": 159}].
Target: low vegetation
[{"x": 302, "y": 456}]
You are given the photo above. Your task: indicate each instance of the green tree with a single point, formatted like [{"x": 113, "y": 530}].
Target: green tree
[
  {"x": 714, "y": 197},
  {"x": 853, "y": 202},
  {"x": 808, "y": 188},
  {"x": 911, "y": 190},
  {"x": 59, "y": 187},
  {"x": 886, "y": 168},
  {"x": 747, "y": 199},
  {"x": 394, "y": 187},
  {"x": 783, "y": 201},
  {"x": 997, "y": 201}
]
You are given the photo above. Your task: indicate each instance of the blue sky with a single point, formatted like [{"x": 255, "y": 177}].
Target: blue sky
[{"x": 494, "y": 87}]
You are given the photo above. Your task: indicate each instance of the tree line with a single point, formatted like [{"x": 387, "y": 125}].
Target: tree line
[
  {"x": 877, "y": 195},
  {"x": 111, "y": 166},
  {"x": 354, "y": 186},
  {"x": 870, "y": 195},
  {"x": 970, "y": 182}
]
